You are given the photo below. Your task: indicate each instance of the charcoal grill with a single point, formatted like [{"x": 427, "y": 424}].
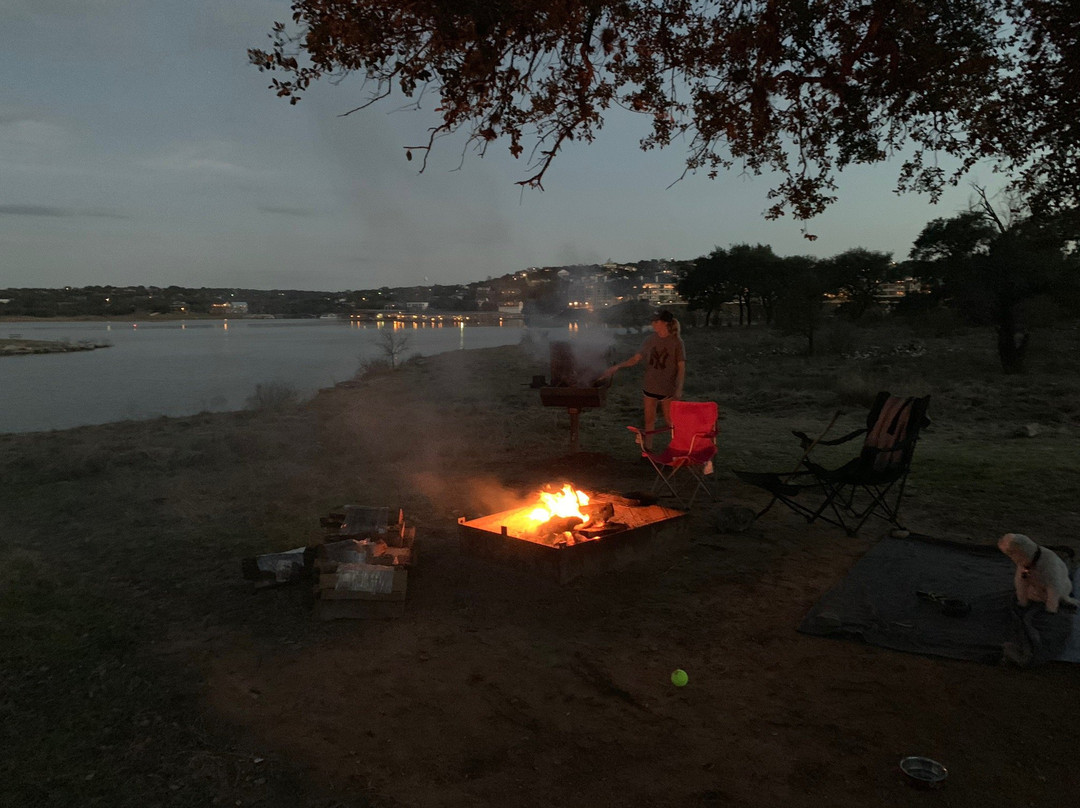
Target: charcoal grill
[{"x": 572, "y": 387}]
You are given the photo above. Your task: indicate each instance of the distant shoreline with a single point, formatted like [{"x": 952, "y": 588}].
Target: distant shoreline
[
  {"x": 93, "y": 318},
  {"x": 17, "y": 346},
  {"x": 469, "y": 318}
]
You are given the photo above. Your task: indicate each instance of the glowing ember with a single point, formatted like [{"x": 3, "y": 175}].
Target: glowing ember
[{"x": 566, "y": 502}]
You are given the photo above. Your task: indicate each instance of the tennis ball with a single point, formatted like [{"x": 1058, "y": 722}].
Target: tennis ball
[{"x": 679, "y": 677}]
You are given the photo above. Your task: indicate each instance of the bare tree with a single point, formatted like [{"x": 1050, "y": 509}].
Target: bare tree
[{"x": 392, "y": 344}]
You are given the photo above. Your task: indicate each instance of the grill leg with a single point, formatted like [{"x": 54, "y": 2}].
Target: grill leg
[{"x": 575, "y": 416}]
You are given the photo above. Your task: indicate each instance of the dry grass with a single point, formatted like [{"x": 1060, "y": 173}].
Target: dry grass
[{"x": 120, "y": 544}]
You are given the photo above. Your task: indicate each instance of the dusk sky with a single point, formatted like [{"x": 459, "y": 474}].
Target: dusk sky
[{"x": 139, "y": 146}]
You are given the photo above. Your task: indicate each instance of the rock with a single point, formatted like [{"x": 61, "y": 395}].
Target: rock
[
  {"x": 1028, "y": 431},
  {"x": 734, "y": 519}
]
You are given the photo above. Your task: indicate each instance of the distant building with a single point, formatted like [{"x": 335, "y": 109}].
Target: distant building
[
  {"x": 661, "y": 293},
  {"x": 416, "y": 305},
  {"x": 236, "y": 307},
  {"x": 894, "y": 291},
  {"x": 591, "y": 291}
]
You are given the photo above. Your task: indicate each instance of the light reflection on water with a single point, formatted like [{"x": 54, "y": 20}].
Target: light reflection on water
[{"x": 179, "y": 368}]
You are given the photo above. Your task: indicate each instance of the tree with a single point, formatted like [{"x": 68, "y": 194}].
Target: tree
[
  {"x": 800, "y": 309},
  {"x": 803, "y": 88},
  {"x": 753, "y": 272},
  {"x": 741, "y": 273},
  {"x": 989, "y": 264},
  {"x": 705, "y": 285},
  {"x": 858, "y": 274}
]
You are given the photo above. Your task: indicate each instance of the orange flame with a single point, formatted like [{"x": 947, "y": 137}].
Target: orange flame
[{"x": 566, "y": 502}]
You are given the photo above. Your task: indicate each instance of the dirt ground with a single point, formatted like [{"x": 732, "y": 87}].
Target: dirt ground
[
  {"x": 502, "y": 688},
  {"x": 498, "y": 687}
]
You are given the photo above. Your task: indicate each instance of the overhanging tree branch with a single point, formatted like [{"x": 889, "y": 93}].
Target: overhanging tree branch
[{"x": 799, "y": 88}]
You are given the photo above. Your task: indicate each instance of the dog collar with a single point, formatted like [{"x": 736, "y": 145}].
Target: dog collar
[{"x": 1034, "y": 560}]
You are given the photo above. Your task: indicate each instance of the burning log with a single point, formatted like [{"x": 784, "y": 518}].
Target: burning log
[
  {"x": 558, "y": 524},
  {"x": 598, "y": 512}
]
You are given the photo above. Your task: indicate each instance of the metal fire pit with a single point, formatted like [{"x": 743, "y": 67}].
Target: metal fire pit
[{"x": 644, "y": 531}]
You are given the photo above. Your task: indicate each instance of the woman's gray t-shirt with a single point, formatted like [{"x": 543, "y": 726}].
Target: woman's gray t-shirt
[{"x": 662, "y": 356}]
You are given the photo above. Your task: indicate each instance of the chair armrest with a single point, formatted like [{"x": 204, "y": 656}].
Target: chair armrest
[
  {"x": 805, "y": 440},
  {"x": 641, "y": 431},
  {"x": 709, "y": 436}
]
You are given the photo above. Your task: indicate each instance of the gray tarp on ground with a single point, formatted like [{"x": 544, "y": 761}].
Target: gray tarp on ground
[{"x": 879, "y": 603}]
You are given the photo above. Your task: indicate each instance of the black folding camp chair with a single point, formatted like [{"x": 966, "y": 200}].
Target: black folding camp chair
[{"x": 871, "y": 484}]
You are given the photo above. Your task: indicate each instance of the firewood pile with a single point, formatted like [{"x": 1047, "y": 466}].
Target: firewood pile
[{"x": 358, "y": 569}]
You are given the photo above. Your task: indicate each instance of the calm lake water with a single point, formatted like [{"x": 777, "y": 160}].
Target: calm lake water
[{"x": 182, "y": 368}]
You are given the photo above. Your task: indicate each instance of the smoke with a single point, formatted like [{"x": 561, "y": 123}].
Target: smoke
[
  {"x": 476, "y": 496},
  {"x": 592, "y": 350}
]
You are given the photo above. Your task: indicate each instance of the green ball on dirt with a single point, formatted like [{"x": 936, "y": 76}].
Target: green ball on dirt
[{"x": 679, "y": 677}]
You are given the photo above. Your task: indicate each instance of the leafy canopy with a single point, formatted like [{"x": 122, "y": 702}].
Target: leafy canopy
[{"x": 803, "y": 88}]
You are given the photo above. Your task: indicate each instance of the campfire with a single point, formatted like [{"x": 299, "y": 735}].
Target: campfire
[
  {"x": 569, "y": 532},
  {"x": 565, "y": 516}
]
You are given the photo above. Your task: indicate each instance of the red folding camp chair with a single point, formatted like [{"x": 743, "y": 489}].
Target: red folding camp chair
[{"x": 693, "y": 445}]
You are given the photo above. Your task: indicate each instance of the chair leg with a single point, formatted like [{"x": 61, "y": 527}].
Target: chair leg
[
  {"x": 766, "y": 509},
  {"x": 701, "y": 481},
  {"x": 661, "y": 477}
]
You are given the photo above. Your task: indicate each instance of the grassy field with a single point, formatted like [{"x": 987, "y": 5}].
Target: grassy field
[{"x": 123, "y": 615}]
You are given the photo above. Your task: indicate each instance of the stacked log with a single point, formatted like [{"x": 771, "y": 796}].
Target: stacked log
[
  {"x": 359, "y": 569},
  {"x": 362, "y": 569}
]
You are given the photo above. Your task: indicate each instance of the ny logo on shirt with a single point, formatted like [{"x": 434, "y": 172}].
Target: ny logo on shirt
[{"x": 658, "y": 358}]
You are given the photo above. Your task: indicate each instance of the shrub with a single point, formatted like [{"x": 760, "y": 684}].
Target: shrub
[
  {"x": 838, "y": 337},
  {"x": 273, "y": 396},
  {"x": 370, "y": 368}
]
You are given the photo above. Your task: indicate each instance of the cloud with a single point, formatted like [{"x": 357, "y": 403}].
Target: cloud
[
  {"x": 18, "y": 131},
  {"x": 208, "y": 159},
  {"x": 32, "y": 210},
  {"x": 57, "y": 212},
  {"x": 286, "y": 211}
]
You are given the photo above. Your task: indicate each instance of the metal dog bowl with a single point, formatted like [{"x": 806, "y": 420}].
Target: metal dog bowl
[{"x": 923, "y": 772}]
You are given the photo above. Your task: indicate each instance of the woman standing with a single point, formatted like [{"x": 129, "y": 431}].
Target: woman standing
[{"x": 665, "y": 369}]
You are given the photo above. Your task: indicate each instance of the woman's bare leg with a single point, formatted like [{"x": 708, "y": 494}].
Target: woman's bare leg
[
  {"x": 650, "y": 420},
  {"x": 665, "y": 406}
]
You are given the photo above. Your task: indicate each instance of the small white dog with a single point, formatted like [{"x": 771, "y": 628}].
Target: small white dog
[{"x": 1040, "y": 574}]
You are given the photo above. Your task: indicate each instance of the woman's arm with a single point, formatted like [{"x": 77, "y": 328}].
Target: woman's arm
[{"x": 633, "y": 360}]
